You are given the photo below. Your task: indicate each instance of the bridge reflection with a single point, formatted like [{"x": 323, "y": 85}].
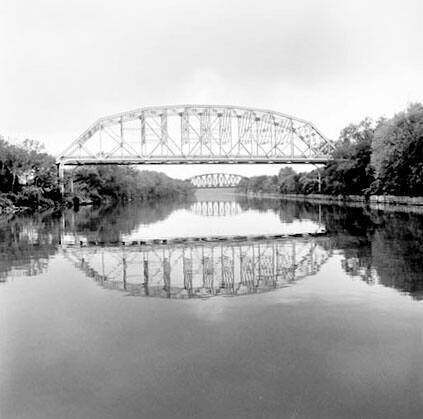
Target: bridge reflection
[
  {"x": 202, "y": 270},
  {"x": 216, "y": 208}
]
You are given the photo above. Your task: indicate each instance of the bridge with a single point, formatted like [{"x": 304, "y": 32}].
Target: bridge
[
  {"x": 201, "y": 270},
  {"x": 193, "y": 134},
  {"x": 216, "y": 180}
]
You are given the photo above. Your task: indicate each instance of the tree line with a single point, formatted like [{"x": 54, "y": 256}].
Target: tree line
[
  {"x": 27, "y": 175},
  {"x": 370, "y": 158},
  {"x": 28, "y": 178},
  {"x": 116, "y": 183}
]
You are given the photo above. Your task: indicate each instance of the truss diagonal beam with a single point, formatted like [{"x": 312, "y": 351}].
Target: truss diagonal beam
[{"x": 198, "y": 134}]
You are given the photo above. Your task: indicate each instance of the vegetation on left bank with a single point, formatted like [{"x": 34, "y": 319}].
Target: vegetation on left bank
[
  {"x": 27, "y": 177},
  {"x": 28, "y": 181}
]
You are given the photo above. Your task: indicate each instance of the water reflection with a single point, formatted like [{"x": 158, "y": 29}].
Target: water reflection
[
  {"x": 379, "y": 248},
  {"x": 216, "y": 208},
  {"x": 202, "y": 270},
  {"x": 27, "y": 243},
  {"x": 391, "y": 255},
  {"x": 112, "y": 223}
]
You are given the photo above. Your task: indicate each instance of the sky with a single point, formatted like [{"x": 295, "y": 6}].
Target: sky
[{"x": 65, "y": 63}]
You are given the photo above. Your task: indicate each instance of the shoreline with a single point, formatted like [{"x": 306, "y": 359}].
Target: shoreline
[
  {"x": 389, "y": 203},
  {"x": 8, "y": 209}
]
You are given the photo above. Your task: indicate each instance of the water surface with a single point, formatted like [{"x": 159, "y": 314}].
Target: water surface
[{"x": 325, "y": 326}]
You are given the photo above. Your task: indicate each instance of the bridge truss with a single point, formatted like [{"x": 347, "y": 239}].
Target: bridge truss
[
  {"x": 216, "y": 208},
  {"x": 198, "y": 134},
  {"x": 216, "y": 180},
  {"x": 199, "y": 270}
]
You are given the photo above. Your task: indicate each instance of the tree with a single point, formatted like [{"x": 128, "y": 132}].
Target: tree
[
  {"x": 350, "y": 172},
  {"x": 398, "y": 153},
  {"x": 125, "y": 184}
]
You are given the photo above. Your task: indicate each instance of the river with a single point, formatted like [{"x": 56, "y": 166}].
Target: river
[{"x": 222, "y": 306}]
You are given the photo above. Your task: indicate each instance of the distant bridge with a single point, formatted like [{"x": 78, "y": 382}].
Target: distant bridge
[
  {"x": 187, "y": 134},
  {"x": 216, "y": 180}
]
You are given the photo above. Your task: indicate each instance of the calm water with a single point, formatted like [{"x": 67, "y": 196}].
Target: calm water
[{"x": 328, "y": 326}]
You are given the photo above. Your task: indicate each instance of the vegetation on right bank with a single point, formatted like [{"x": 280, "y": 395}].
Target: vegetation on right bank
[{"x": 370, "y": 158}]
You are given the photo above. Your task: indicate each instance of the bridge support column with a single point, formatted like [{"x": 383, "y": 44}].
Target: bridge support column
[
  {"x": 61, "y": 178},
  {"x": 319, "y": 180},
  {"x": 146, "y": 278}
]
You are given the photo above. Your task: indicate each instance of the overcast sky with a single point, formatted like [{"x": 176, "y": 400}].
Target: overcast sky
[{"x": 65, "y": 63}]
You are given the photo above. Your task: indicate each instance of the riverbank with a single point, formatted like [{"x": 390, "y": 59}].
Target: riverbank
[
  {"x": 376, "y": 202},
  {"x": 6, "y": 206},
  {"x": 20, "y": 205}
]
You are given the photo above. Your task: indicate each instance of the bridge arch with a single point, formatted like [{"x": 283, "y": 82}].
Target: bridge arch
[{"x": 187, "y": 134}]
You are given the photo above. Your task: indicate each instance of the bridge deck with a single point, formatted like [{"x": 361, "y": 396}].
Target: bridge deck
[
  {"x": 210, "y": 240},
  {"x": 75, "y": 161}
]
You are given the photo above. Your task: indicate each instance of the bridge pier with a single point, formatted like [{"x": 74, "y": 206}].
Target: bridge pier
[
  {"x": 319, "y": 180},
  {"x": 61, "y": 178},
  {"x": 71, "y": 184}
]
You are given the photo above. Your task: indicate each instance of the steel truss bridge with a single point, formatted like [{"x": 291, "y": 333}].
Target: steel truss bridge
[
  {"x": 185, "y": 134},
  {"x": 201, "y": 270},
  {"x": 216, "y": 180}
]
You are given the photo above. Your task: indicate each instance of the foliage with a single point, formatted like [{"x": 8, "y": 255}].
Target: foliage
[
  {"x": 28, "y": 178},
  {"x": 350, "y": 172},
  {"x": 398, "y": 153},
  {"x": 303, "y": 183},
  {"x": 125, "y": 184},
  {"x": 382, "y": 157},
  {"x": 255, "y": 184},
  {"x": 287, "y": 182},
  {"x": 28, "y": 175}
]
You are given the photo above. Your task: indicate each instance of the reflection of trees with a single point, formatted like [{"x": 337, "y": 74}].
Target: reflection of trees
[
  {"x": 397, "y": 251},
  {"x": 336, "y": 218},
  {"x": 379, "y": 246},
  {"x": 288, "y": 211},
  {"x": 111, "y": 223},
  {"x": 259, "y": 204},
  {"x": 27, "y": 243}
]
